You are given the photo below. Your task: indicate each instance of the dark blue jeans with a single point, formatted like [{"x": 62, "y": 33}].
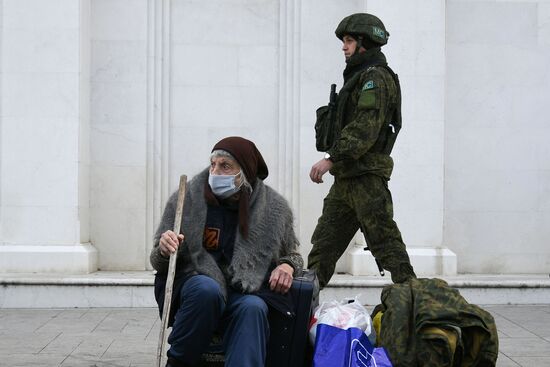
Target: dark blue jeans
[{"x": 242, "y": 320}]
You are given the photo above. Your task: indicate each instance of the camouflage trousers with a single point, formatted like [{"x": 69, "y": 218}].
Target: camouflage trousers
[{"x": 365, "y": 203}]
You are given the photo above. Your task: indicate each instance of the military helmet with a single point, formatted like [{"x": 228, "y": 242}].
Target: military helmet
[{"x": 362, "y": 24}]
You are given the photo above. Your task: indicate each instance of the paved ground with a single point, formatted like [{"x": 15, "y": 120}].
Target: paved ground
[{"x": 100, "y": 337}]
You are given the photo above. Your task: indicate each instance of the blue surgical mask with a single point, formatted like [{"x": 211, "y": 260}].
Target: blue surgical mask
[{"x": 223, "y": 186}]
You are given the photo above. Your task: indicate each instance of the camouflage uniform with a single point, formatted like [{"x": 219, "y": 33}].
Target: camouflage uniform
[
  {"x": 427, "y": 323},
  {"x": 359, "y": 197}
]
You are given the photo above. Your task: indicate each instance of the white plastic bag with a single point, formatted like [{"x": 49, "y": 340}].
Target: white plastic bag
[{"x": 342, "y": 315}]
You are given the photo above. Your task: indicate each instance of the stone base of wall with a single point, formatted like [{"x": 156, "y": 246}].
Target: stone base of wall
[
  {"x": 135, "y": 289},
  {"x": 425, "y": 261},
  {"x": 67, "y": 259}
]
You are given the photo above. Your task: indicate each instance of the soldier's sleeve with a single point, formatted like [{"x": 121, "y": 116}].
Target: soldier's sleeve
[{"x": 360, "y": 134}]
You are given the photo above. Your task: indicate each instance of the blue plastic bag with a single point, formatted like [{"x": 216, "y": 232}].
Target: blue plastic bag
[{"x": 351, "y": 347}]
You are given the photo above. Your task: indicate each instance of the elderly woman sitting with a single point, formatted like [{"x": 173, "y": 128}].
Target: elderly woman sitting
[{"x": 236, "y": 256}]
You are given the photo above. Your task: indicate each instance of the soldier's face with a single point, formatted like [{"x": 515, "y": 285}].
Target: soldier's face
[{"x": 348, "y": 46}]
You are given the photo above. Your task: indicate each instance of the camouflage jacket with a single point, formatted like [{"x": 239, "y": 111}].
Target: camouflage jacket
[
  {"x": 365, "y": 104},
  {"x": 427, "y": 323}
]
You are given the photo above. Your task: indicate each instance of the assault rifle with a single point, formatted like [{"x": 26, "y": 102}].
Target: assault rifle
[
  {"x": 332, "y": 112},
  {"x": 325, "y": 126}
]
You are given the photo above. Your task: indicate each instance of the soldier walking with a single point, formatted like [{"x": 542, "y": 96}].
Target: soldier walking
[{"x": 357, "y": 131}]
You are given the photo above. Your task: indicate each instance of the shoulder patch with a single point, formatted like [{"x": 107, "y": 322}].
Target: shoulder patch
[{"x": 368, "y": 85}]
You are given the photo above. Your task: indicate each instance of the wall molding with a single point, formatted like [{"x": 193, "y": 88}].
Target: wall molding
[
  {"x": 1, "y": 101},
  {"x": 158, "y": 114},
  {"x": 158, "y": 107},
  {"x": 78, "y": 258},
  {"x": 289, "y": 102}
]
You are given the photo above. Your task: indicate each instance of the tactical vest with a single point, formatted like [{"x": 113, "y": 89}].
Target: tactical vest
[{"x": 331, "y": 118}]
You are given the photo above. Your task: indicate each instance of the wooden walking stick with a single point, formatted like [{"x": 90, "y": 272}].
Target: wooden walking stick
[{"x": 171, "y": 274}]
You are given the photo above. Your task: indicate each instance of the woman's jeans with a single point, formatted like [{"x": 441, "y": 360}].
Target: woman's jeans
[{"x": 242, "y": 320}]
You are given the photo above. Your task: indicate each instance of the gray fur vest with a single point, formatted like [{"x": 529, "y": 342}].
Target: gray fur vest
[{"x": 271, "y": 236}]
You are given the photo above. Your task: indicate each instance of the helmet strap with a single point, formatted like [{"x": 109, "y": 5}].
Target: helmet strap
[{"x": 359, "y": 45}]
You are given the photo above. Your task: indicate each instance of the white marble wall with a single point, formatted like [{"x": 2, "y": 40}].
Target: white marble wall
[
  {"x": 43, "y": 162},
  {"x": 104, "y": 103},
  {"x": 118, "y": 136},
  {"x": 224, "y": 80},
  {"x": 166, "y": 85},
  {"x": 497, "y": 182}
]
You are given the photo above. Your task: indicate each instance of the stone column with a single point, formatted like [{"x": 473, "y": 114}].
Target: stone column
[{"x": 44, "y": 133}]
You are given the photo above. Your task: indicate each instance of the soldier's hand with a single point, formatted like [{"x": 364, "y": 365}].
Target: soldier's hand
[
  {"x": 319, "y": 169},
  {"x": 169, "y": 243},
  {"x": 281, "y": 278}
]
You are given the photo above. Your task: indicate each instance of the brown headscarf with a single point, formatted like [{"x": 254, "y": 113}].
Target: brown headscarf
[{"x": 253, "y": 166}]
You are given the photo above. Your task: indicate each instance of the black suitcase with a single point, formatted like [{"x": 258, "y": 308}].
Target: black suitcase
[
  {"x": 288, "y": 339},
  {"x": 288, "y": 344}
]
